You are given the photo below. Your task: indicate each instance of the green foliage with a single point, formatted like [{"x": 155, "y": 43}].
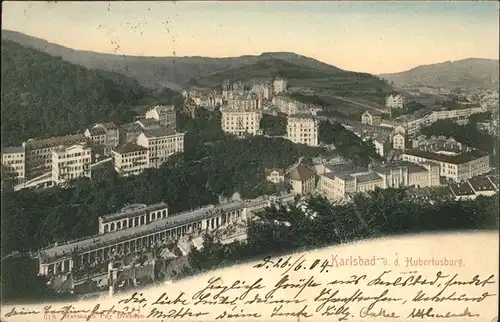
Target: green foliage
[
  {"x": 212, "y": 164},
  {"x": 19, "y": 281},
  {"x": 348, "y": 144},
  {"x": 467, "y": 134},
  {"x": 46, "y": 96},
  {"x": 273, "y": 125},
  {"x": 342, "y": 82},
  {"x": 384, "y": 212}
]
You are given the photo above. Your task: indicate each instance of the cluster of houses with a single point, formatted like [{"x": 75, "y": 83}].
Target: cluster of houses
[{"x": 145, "y": 143}]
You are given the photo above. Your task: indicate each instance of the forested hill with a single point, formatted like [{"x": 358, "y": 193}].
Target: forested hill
[{"x": 43, "y": 95}]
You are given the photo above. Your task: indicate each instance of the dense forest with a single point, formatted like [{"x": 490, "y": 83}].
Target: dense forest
[
  {"x": 273, "y": 125},
  {"x": 43, "y": 95},
  {"x": 382, "y": 213},
  {"x": 213, "y": 164}
]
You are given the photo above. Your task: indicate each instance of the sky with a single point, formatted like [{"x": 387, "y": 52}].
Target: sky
[{"x": 372, "y": 37}]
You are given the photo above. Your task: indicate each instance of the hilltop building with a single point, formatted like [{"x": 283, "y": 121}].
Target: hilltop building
[
  {"x": 303, "y": 129},
  {"x": 71, "y": 162},
  {"x": 395, "y": 100},
  {"x": 13, "y": 159},
  {"x": 161, "y": 144},
  {"x": 241, "y": 116},
  {"x": 371, "y": 118},
  {"x": 130, "y": 159},
  {"x": 165, "y": 115},
  {"x": 103, "y": 137},
  {"x": 279, "y": 85},
  {"x": 38, "y": 152}
]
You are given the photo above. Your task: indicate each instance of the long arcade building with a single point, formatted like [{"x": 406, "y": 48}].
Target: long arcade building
[{"x": 148, "y": 232}]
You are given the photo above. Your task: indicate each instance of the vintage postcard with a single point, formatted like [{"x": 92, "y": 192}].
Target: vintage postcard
[{"x": 249, "y": 161}]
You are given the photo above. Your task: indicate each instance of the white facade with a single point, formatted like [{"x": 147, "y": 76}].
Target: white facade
[
  {"x": 164, "y": 114},
  {"x": 13, "y": 159},
  {"x": 395, "y": 101},
  {"x": 241, "y": 116},
  {"x": 371, "y": 118},
  {"x": 130, "y": 159},
  {"x": 70, "y": 163},
  {"x": 454, "y": 166},
  {"x": 279, "y": 85},
  {"x": 161, "y": 144},
  {"x": 399, "y": 141},
  {"x": 303, "y": 129}
]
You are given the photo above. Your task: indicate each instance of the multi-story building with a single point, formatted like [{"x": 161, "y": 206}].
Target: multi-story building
[
  {"x": 39, "y": 152},
  {"x": 129, "y": 133},
  {"x": 399, "y": 141},
  {"x": 287, "y": 105},
  {"x": 303, "y": 129},
  {"x": 371, "y": 118},
  {"x": 130, "y": 159},
  {"x": 71, "y": 162},
  {"x": 395, "y": 100},
  {"x": 111, "y": 136},
  {"x": 148, "y": 124},
  {"x": 454, "y": 165},
  {"x": 302, "y": 179},
  {"x": 381, "y": 144},
  {"x": 166, "y": 115},
  {"x": 13, "y": 160},
  {"x": 341, "y": 182},
  {"x": 241, "y": 117},
  {"x": 161, "y": 144},
  {"x": 264, "y": 90},
  {"x": 279, "y": 85}
]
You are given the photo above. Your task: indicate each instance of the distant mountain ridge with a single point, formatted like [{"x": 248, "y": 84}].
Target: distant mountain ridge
[
  {"x": 173, "y": 72},
  {"x": 467, "y": 73}
]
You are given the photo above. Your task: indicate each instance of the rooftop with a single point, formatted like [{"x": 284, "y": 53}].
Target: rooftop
[
  {"x": 131, "y": 127},
  {"x": 362, "y": 178},
  {"x": 133, "y": 211},
  {"x": 301, "y": 173},
  {"x": 148, "y": 122},
  {"x": 454, "y": 159},
  {"x": 129, "y": 147},
  {"x": 301, "y": 116},
  {"x": 109, "y": 125},
  {"x": 55, "y": 141},
  {"x": 461, "y": 189},
  {"x": 481, "y": 184},
  {"x": 373, "y": 113},
  {"x": 161, "y": 132},
  {"x": 97, "y": 131},
  {"x": 134, "y": 232},
  {"x": 269, "y": 171},
  {"x": 13, "y": 149},
  {"x": 163, "y": 109}
]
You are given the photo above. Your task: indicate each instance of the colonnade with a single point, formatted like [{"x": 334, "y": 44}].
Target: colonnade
[{"x": 133, "y": 244}]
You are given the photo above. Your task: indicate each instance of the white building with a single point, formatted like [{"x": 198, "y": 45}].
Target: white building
[
  {"x": 38, "y": 155},
  {"x": 341, "y": 182},
  {"x": 395, "y": 101},
  {"x": 274, "y": 175},
  {"x": 303, "y": 129},
  {"x": 164, "y": 114},
  {"x": 279, "y": 85},
  {"x": 456, "y": 166},
  {"x": 71, "y": 162},
  {"x": 371, "y": 118},
  {"x": 241, "y": 116},
  {"x": 161, "y": 144},
  {"x": 302, "y": 179},
  {"x": 130, "y": 159},
  {"x": 13, "y": 159}
]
